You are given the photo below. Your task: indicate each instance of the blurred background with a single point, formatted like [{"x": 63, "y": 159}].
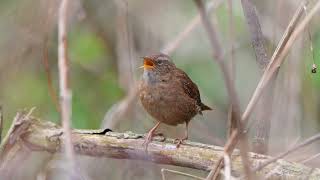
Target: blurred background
[{"x": 105, "y": 42}]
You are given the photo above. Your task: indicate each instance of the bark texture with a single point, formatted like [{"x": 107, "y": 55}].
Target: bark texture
[{"x": 30, "y": 134}]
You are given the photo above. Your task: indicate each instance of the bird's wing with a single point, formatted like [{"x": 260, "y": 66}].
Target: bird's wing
[{"x": 189, "y": 87}]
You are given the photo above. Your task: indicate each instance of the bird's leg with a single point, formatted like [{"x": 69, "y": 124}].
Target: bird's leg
[
  {"x": 180, "y": 141},
  {"x": 150, "y": 135}
]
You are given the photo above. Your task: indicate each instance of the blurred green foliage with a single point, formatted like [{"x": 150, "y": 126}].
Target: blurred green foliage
[
  {"x": 93, "y": 92},
  {"x": 316, "y": 55}
]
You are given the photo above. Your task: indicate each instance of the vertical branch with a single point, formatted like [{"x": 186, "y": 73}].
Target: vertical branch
[
  {"x": 227, "y": 169},
  {"x": 231, "y": 125},
  {"x": 51, "y": 90},
  {"x": 123, "y": 46},
  {"x": 273, "y": 62},
  {"x": 1, "y": 123},
  {"x": 261, "y": 130},
  {"x": 231, "y": 39},
  {"x": 163, "y": 170},
  {"x": 257, "y": 39},
  {"x": 217, "y": 56},
  {"x": 129, "y": 38},
  {"x": 278, "y": 5},
  {"x": 65, "y": 91}
]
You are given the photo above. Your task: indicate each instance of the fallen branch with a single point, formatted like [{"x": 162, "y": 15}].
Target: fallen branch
[{"x": 29, "y": 134}]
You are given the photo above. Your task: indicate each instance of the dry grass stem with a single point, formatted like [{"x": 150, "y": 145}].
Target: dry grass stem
[
  {"x": 116, "y": 112},
  {"x": 52, "y": 92},
  {"x": 1, "y": 123},
  {"x": 310, "y": 158},
  {"x": 234, "y": 101},
  {"x": 65, "y": 92},
  {"x": 227, "y": 166},
  {"x": 291, "y": 150},
  {"x": 231, "y": 125},
  {"x": 163, "y": 170},
  {"x": 124, "y": 44}
]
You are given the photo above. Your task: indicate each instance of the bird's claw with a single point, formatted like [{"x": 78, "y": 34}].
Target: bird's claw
[
  {"x": 149, "y": 137},
  {"x": 147, "y": 141},
  {"x": 178, "y": 142}
]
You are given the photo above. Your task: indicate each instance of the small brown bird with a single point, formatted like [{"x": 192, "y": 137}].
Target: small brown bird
[{"x": 168, "y": 94}]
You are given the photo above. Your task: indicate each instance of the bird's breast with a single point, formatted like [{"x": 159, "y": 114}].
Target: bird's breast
[
  {"x": 167, "y": 103},
  {"x": 149, "y": 77}
]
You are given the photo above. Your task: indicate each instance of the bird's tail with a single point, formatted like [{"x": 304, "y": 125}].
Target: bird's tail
[{"x": 205, "y": 107}]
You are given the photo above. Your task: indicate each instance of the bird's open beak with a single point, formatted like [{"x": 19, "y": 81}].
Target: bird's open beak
[{"x": 147, "y": 63}]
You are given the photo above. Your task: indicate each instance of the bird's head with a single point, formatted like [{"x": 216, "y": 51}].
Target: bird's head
[
  {"x": 160, "y": 64},
  {"x": 157, "y": 67}
]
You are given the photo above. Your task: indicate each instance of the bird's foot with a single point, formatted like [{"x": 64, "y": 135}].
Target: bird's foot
[
  {"x": 178, "y": 142},
  {"x": 149, "y": 137},
  {"x": 147, "y": 140}
]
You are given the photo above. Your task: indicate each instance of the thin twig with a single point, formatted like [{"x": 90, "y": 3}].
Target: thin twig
[
  {"x": 231, "y": 124},
  {"x": 276, "y": 168},
  {"x": 65, "y": 92},
  {"x": 163, "y": 170},
  {"x": 125, "y": 66},
  {"x": 129, "y": 38},
  {"x": 116, "y": 112},
  {"x": 217, "y": 56},
  {"x": 1, "y": 123},
  {"x": 230, "y": 145},
  {"x": 52, "y": 92},
  {"x": 227, "y": 168},
  {"x": 291, "y": 150},
  {"x": 310, "y": 158},
  {"x": 277, "y": 6}
]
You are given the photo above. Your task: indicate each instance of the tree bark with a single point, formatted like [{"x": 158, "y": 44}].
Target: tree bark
[{"x": 30, "y": 134}]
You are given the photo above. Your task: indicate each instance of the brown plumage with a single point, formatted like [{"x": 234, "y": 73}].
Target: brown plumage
[{"x": 168, "y": 94}]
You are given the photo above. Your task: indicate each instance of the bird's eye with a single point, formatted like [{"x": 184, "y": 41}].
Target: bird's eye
[{"x": 159, "y": 62}]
